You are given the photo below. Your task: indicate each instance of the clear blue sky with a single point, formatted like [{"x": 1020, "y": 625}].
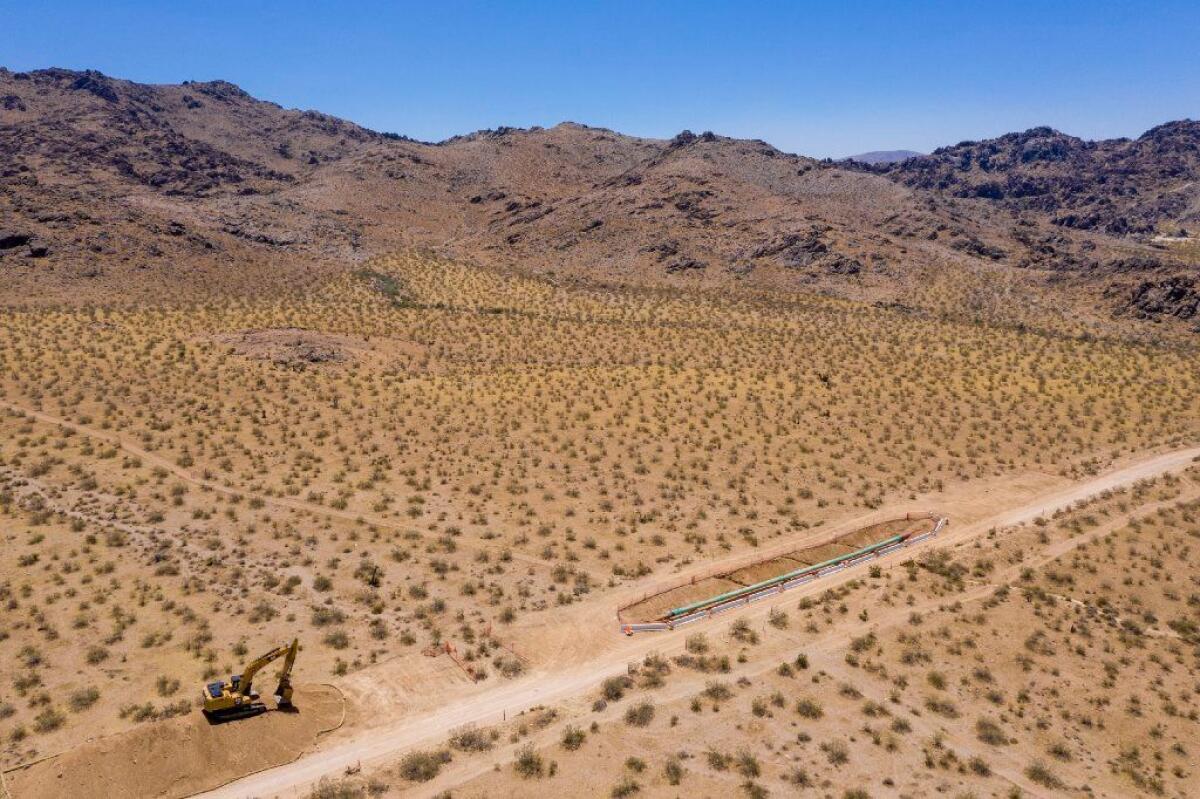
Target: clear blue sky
[{"x": 823, "y": 79}]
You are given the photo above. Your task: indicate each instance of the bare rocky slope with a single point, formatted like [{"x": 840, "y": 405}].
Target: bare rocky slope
[
  {"x": 1121, "y": 186},
  {"x": 117, "y": 191}
]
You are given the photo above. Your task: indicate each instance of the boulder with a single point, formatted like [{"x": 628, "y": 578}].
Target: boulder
[{"x": 11, "y": 239}]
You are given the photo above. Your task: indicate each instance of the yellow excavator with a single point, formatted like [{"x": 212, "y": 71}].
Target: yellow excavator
[{"x": 237, "y": 698}]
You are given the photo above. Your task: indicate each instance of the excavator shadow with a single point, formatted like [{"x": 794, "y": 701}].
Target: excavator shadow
[{"x": 217, "y": 719}]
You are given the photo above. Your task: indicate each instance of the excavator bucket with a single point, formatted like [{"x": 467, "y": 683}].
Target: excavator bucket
[{"x": 283, "y": 693}]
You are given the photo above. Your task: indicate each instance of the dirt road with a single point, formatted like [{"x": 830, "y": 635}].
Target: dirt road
[{"x": 607, "y": 653}]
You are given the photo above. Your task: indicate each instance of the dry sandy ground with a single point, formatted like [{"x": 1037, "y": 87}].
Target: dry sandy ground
[
  {"x": 606, "y": 653},
  {"x": 489, "y": 461},
  {"x": 1041, "y": 688},
  {"x": 182, "y": 756}
]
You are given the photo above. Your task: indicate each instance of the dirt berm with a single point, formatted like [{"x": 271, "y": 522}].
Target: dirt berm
[{"x": 181, "y": 756}]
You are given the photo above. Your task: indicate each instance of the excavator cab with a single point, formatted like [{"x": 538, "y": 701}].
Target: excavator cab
[{"x": 237, "y": 698}]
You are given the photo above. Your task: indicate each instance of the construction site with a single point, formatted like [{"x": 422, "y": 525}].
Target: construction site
[
  {"x": 510, "y": 537},
  {"x": 706, "y": 597},
  {"x": 186, "y": 755}
]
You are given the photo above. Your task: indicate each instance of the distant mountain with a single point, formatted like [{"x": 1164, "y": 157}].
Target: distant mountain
[
  {"x": 115, "y": 191},
  {"x": 1119, "y": 186},
  {"x": 883, "y": 156}
]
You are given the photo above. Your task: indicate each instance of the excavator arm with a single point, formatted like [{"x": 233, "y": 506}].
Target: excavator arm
[
  {"x": 247, "y": 680},
  {"x": 283, "y": 692}
]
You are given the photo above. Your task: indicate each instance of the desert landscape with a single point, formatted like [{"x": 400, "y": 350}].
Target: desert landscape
[{"x": 585, "y": 464}]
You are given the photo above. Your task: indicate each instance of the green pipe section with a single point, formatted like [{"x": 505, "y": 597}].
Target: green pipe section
[{"x": 679, "y": 611}]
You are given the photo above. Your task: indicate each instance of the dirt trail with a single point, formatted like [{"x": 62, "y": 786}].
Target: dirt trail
[
  {"x": 605, "y": 652},
  {"x": 279, "y": 502}
]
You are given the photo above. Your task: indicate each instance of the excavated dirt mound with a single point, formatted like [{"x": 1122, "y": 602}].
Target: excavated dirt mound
[
  {"x": 764, "y": 570},
  {"x": 181, "y": 756},
  {"x": 292, "y": 346},
  {"x": 297, "y": 348},
  {"x": 878, "y": 532},
  {"x": 655, "y": 607}
]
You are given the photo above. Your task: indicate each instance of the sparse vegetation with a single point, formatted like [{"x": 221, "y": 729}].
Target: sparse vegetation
[
  {"x": 423, "y": 766},
  {"x": 427, "y": 489}
]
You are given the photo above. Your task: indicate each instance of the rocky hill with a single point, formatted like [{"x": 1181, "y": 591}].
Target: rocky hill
[
  {"x": 116, "y": 191},
  {"x": 1119, "y": 186}
]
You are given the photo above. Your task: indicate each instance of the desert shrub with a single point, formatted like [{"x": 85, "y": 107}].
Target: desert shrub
[
  {"x": 49, "y": 720},
  {"x": 943, "y": 707},
  {"x": 990, "y": 732},
  {"x": 614, "y": 688},
  {"x": 31, "y": 657},
  {"x": 529, "y": 763},
  {"x": 704, "y": 663},
  {"x": 742, "y": 632},
  {"x": 979, "y": 766},
  {"x": 423, "y": 766},
  {"x": 329, "y": 788},
  {"x": 753, "y": 790},
  {"x": 862, "y": 643},
  {"x": 323, "y": 615},
  {"x": 1041, "y": 774},
  {"x": 809, "y": 708},
  {"x": 640, "y": 715},
  {"x": 747, "y": 764},
  {"x": 717, "y": 761},
  {"x": 628, "y": 786},
  {"x": 717, "y": 690},
  {"x": 470, "y": 739},
  {"x": 836, "y": 751},
  {"x": 573, "y": 738},
  {"x": 263, "y": 611},
  {"x": 83, "y": 699},
  {"x": 338, "y": 639},
  {"x": 509, "y": 667}
]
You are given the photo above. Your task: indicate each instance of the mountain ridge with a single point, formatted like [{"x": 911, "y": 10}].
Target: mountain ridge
[
  {"x": 1119, "y": 186},
  {"x": 875, "y": 157},
  {"x": 120, "y": 190}
]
